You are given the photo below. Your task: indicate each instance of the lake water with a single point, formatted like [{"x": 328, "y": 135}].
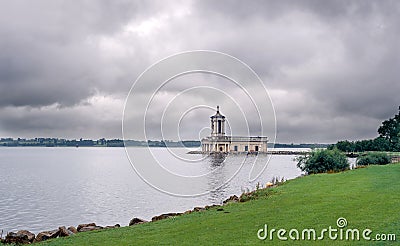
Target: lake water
[{"x": 44, "y": 188}]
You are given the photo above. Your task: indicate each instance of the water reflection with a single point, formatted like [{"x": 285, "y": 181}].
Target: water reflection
[
  {"x": 217, "y": 166},
  {"x": 217, "y": 159}
]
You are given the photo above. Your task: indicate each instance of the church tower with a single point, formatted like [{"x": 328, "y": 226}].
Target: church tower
[
  {"x": 217, "y": 125},
  {"x": 218, "y": 142}
]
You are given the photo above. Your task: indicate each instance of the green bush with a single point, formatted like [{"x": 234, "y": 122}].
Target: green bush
[
  {"x": 373, "y": 158},
  {"x": 321, "y": 161}
]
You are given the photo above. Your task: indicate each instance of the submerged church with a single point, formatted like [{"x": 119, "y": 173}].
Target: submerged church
[{"x": 219, "y": 142}]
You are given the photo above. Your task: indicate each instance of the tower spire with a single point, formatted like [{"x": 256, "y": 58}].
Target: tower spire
[{"x": 217, "y": 124}]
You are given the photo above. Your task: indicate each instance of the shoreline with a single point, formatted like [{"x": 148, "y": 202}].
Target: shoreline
[
  {"x": 25, "y": 236},
  {"x": 204, "y": 222}
]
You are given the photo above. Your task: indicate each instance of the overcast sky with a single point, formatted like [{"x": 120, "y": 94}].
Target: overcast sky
[{"x": 332, "y": 68}]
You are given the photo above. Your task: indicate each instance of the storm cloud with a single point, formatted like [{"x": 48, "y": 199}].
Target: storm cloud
[{"x": 66, "y": 67}]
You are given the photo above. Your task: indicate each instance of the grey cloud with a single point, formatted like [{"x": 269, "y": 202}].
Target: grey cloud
[
  {"x": 83, "y": 120},
  {"x": 47, "y": 56}
]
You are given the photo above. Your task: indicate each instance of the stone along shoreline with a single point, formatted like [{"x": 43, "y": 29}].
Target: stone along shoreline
[{"x": 27, "y": 237}]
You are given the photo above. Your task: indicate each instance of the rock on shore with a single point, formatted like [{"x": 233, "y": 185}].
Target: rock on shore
[
  {"x": 27, "y": 237},
  {"x": 46, "y": 235},
  {"x": 136, "y": 221},
  {"x": 20, "y": 237}
]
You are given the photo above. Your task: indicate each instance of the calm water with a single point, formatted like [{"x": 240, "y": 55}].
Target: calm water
[{"x": 43, "y": 188}]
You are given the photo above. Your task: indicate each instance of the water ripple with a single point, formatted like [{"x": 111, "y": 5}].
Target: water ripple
[{"x": 43, "y": 188}]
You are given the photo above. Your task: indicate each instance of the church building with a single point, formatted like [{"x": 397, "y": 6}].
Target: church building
[{"x": 219, "y": 142}]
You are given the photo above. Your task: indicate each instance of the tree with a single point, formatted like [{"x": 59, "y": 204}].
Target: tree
[
  {"x": 320, "y": 161},
  {"x": 388, "y": 140},
  {"x": 381, "y": 144},
  {"x": 377, "y": 144},
  {"x": 390, "y": 130},
  {"x": 345, "y": 146}
]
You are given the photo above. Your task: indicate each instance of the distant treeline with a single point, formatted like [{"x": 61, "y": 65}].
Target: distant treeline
[
  {"x": 155, "y": 143},
  {"x": 377, "y": 144},
  {"x": 388, "y": 140},
  {"x": 57, "y": 142},
  {"x": 303, "y": 145}
]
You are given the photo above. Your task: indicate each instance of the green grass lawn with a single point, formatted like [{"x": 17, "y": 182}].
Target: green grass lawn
[{"x": 366, "y": 197}]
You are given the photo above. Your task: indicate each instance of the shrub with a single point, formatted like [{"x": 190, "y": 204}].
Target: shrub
[
  {"x": 373, "y": 158},
  {"x": 321, "y": 161}
]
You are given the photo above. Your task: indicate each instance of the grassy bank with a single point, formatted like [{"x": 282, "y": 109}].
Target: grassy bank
[{"x": 367, "y": 198}]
